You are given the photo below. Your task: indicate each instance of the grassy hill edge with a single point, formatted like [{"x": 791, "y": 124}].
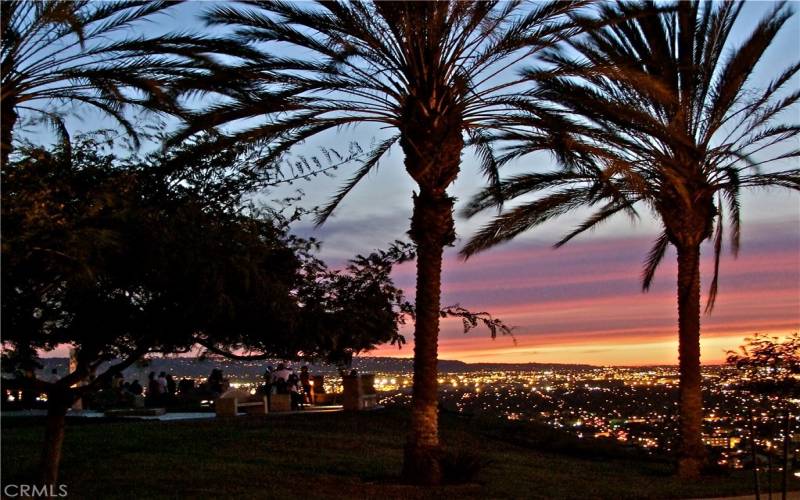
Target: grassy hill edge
[{"x": 340, "y": 455}]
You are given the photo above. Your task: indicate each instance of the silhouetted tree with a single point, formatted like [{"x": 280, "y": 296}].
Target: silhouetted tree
[
  {"x": 89, "y": 54},
  {"x": 431, "y": 71},
  {"x": 771, "y": 367},
  {"x": 123, "y": 259},
  {"x": 648, "y": 110}
]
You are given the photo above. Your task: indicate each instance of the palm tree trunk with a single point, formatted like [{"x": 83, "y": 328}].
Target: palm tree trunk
[
  {"x": 7, "y": 122},
  {"x": 431, "y": 230},
  {"x": 53, "y": 438},
  {"x": 691, "y": 452},
  {"x": 754, "y": 453},
  {"x": 769, "y": 473},
  {"x": 785, "y": 458}
]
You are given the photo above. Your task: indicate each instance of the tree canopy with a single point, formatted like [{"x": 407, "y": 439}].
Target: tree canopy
[
  {"x": 654, "y": 106},
  {"x": 648, "y": 109},
  {"x": 95, "y": 55},
  {"x": 125, "y": 257}
]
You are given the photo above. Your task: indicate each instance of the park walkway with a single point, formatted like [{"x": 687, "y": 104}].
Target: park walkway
[{"x": 169, "y": 416}]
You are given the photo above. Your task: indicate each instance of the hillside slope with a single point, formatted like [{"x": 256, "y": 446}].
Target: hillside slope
[{"x": 335, "y": 455}]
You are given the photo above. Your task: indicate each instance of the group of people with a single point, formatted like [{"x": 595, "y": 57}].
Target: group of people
[
  {"x": 160, "y": 389},
  {"x": 216, "y": 384},
  {"x": 163, "y": 390},
  {"x": 284, "y": 380}
]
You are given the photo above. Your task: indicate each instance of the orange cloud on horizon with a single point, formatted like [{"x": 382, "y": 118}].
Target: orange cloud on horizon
[{"x": 583, "y": 303}]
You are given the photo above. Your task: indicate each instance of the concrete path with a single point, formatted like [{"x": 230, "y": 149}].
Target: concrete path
[{"x": 167, "y": 416}]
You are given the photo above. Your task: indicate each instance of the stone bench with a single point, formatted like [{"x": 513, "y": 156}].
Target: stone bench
[
  {"x": 359, "y": 392},
  {"x": 233, "y": 401},
  {"x": 280, "y": 402},
  {"x": 135, "y": 412},
  {"x": 324, "y": 398},
  {"x": 369, "y": 401}
]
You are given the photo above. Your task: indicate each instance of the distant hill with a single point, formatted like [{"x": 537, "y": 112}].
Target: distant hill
[
  {"x": 196, "y": 367},
  {"x": 406, "y": 365}
]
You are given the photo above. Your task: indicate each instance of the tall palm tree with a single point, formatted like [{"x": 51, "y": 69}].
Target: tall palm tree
[
  {"x": 655, "y": 108},
  {"x": 57, "y": 52},
  {"x": 434, "y": 72}
]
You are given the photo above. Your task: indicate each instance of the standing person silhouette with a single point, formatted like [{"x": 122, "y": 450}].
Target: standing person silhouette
[{"x": 305, "y": 381}]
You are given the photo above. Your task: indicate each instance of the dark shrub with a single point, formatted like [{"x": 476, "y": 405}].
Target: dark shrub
[{"x": 462, "y": 466}]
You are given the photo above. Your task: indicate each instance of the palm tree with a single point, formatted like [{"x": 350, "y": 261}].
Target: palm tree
[
  {"x": 648, "y": 110},
  {"x": 81, "y": 52},
  {"x": 431, "y": 71}
]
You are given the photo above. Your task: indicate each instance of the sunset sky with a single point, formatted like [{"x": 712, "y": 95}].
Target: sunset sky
[{"x": 582, "y": 303}]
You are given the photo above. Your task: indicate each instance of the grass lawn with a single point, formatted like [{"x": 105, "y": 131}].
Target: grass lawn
[{"x": 334, "y": 455}]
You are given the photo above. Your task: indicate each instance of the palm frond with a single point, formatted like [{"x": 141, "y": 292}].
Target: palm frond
[
  {"x": 610, "y": 209},
  {"x": 789, "y": 179},
  {"x": 713, "y": 288},
  {"x": 740, "y": 65},
  {"x": 654, "y": 258},
  {"x": 481, "y": 140},
  {"x": 88, "y": 52},
  {"x": 653, "y": 103},
  {"x": 370, "y": 162},
  {"x": 519, "y": 185},
  {"x": 519, "y": 219}
]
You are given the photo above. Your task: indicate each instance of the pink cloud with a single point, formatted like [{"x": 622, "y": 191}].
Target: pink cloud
[{"x": 586, "y": 296}]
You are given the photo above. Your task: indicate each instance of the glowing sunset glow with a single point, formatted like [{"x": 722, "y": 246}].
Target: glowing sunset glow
[{"x": 583, "y": 303}]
